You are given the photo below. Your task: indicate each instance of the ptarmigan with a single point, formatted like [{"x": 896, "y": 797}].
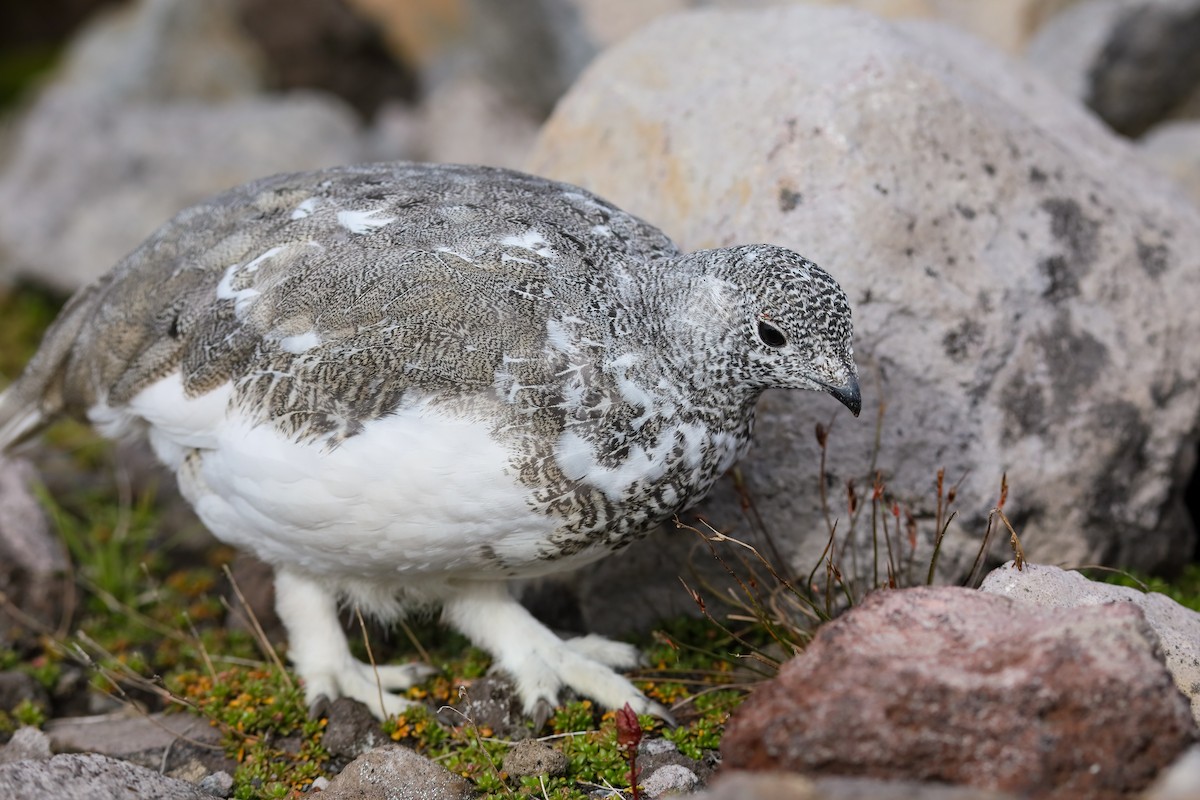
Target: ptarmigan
[{"x": 404, "y": 385}]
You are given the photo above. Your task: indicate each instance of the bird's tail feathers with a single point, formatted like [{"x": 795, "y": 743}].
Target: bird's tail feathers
[
  {"x": 18, "y": 420},
  {"x": 35, "y": 398}
]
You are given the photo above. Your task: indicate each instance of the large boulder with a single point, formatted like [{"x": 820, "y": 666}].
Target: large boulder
[
  {"x": 1134, "y": 62},
  {"x": 163, "y": 50},
  {"x": 87, "y": 776},
  {"x": 1024, "y": 290},
  {"x": 76, "y": 204},
  {"x": 738, "y": 785},
  {"x": 154, "y": 107},
  {"x": 1177, "y": 627},
  {"x": 953, "y": 685}
]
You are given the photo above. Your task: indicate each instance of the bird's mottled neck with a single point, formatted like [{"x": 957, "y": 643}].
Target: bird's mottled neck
[{"x": 678, "y": 325}]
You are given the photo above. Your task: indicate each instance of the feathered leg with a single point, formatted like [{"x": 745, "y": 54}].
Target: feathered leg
[
  {"x": 539, "y": 661},
  {"x": 319, "y": 650}
]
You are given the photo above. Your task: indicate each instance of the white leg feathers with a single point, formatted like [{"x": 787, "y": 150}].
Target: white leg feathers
[
  {"x": 319, "y": 650},
  {"x": 539, "y": 661}
]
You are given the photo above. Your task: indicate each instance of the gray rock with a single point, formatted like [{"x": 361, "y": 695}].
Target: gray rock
[
  {"x": 24, "y": 532},
  {"x": 26, "y": 743},
  {"x": 396, "y": 773},
  {"x": 169, "y": 94},
  {"x": 218, "y": 784},
  {"x": 1173, "y": 148},
  {"x": 735, "y": 785},
  {"x": 529, "y": 50},
  {"x": 154, "y": 50},
  {"x": 1177, "y": 627},
  {"x": 75, "y": 205},
  {"x": 87, "y": 776},
  {"x": 1008, "y": 24},
  {"x": 670, "y": 779},
  {"x": 657, "y": 747},
  {"x": 490, "y": 702},
  {"x": 33, "y": 563},
  {"x": 191, "y": 771},
  {"x": 1131, "y": 61},
  {"x": 352, "y": 729},
  {"x": 466, "y": 120},
  {"x": 1023, "y": 287},
  {"x": 953, "y": 685},
  {"x": 657, "y": 754},
  {"x": 533, "y": 757},
  {"x": 159, "y": 741}
]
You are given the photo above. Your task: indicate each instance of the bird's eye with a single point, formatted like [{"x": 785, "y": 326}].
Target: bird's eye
[{"x": 770, "y": 335}]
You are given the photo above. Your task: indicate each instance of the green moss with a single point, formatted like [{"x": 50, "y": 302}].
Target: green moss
[
  {"x": 21, "y": 68},
  {"x": 26, "y": 313},
  {"x": 110, "y": 544},
  {"x": 255, "y": 708},
  {"x": 25, "y": 713},
  {"x": 1183, "y": 588}
]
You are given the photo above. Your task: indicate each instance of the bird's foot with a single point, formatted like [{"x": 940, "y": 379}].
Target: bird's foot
[
  {"x": 618, "y": 655},
  {"x": 318, "y": 648},
  {"x": 539, "y": 662},
  {"x": 543, "y": 674},
  {"x": 371, "y": 686}
]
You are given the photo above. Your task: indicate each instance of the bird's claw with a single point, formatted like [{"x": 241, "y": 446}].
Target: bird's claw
[
  {"x": 319, "y": 706},
  {"x": 661, "y": 711},
  {"x": 541, "y": 713}
]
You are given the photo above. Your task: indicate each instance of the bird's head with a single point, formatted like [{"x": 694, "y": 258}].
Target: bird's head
[{"x": 785, "y": 321}]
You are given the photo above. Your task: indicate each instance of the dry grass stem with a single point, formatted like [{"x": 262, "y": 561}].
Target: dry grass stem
[{"x": 259, "y": 634}]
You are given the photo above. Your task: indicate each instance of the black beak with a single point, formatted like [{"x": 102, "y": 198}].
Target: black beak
[{"x": 848, "y": 395}]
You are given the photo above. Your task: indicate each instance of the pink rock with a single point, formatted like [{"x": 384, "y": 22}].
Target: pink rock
[{"x": 952, "y": 685}]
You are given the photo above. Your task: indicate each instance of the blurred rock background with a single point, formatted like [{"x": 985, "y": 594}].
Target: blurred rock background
[
  {"x": 147, "y": 106},
  {"x": 1007, "y": 188}
]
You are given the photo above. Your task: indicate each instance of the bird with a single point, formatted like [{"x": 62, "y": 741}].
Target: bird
[{"x": 407, "y": 386}]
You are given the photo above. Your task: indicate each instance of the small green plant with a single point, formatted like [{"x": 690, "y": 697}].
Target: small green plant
[
  {"x": 20, "y": 68},
  {"x": 26, "y": 313},
  {"x": 702, "y": 733},
  {"x": 24, "y": 713},
  {"x": 1184, "y": 588},
  {"x": 255, "y": 708},
  {"x": 109, "y": 545}
]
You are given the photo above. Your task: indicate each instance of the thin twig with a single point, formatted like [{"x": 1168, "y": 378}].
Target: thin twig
[
  {"x": 937, "y": 547},
  {"x": 259, "y": 633},
  {"x": 748, "y": 504},
  {"x": 1013, "y": 540},
  {"x": 208, "y": 664},
  {"x": 362, "y": 625},
  {"x": 415, "y": 642}
]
